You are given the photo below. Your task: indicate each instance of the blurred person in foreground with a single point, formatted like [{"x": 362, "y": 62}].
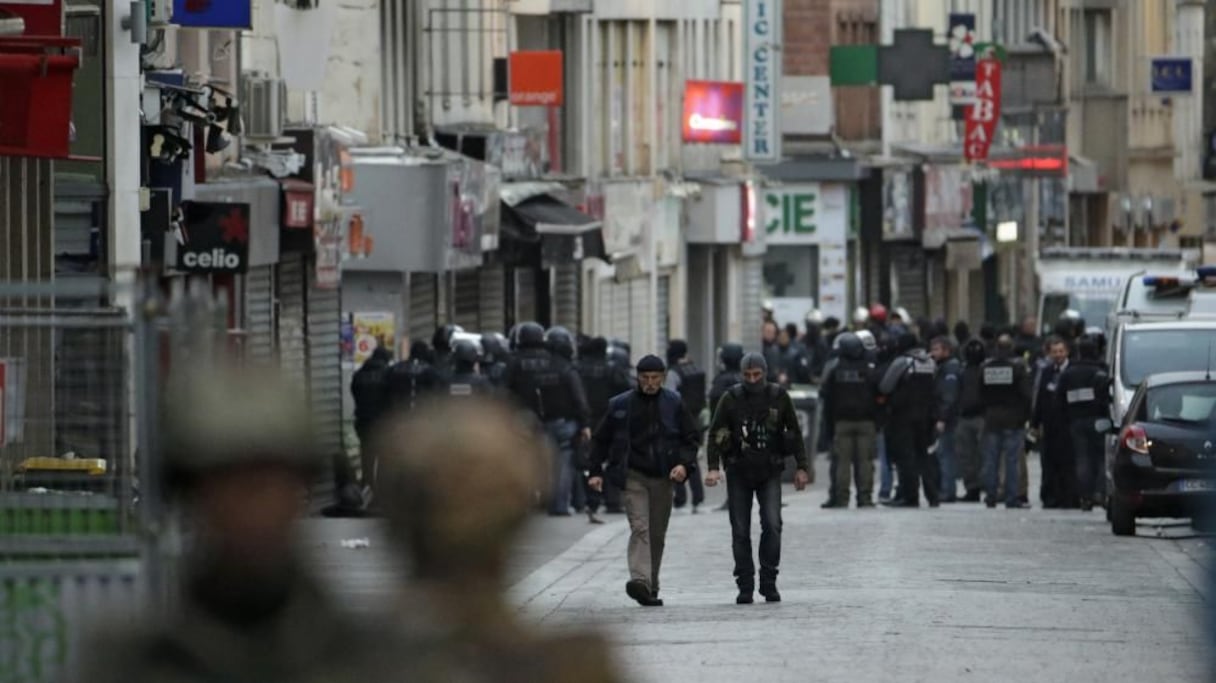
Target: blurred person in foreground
[
  {"x": 459, "y": 501},
  {"x": 239, "y": 458}
]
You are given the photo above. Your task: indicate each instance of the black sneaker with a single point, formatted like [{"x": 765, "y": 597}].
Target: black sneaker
[
  {"x": 829, "y": 504},
  {"x": 640, "y": 592},
  {"x": 770, "y": 594},
  {"x": 971, "y": 497},
  {"x": 744, "y": 598}
]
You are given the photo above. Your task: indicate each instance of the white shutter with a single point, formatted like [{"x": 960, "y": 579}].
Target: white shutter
[
  {"x": 467, "y": 300},
  {"x": 325, "y": 366},
  {"x": 566, "y": 296},
  {"x": 259, "y": 313},
  {"x": 639, "y": 316},
  {"x": 751, "y": 300},
  {"x": 525, "y": 295},
  {"x": 293, "y": 352},
  {"x": 663, "y": 313}
]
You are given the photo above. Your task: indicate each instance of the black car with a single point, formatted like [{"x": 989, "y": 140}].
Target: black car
[{"x": 1164, "y": 464}]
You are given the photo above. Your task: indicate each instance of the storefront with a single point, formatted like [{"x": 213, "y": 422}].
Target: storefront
[{"x": 725, "y": 268}]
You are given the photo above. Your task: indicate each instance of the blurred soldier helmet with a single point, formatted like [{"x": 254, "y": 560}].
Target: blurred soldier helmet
[
  {"x": 814, "y": 317},
  {"x": 456, "y": 499},
  {"x": 222, "y": 416},
  {"x": 767, "y": 306},
  {"x": 465, "y": 352},
  {"x": 560, "y": 341},
  {"x": 861, "y": 315},
  {"x": 731, "y": 354},
  {"x": 494, "y": 345}
]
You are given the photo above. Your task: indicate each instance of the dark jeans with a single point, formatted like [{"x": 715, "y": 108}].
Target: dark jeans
[
  {"x": 1089, "y": 449},
  {"x": 698, "y": 490},
  {"x": 1059, "y": 488},
  {"x": 908, "y": 448},
  {"x": 1002, "y": 445},
  {"x": 367, "y": 458},
  {"x": 740, "y": 491},
  {"x": 561, "y": 433}
]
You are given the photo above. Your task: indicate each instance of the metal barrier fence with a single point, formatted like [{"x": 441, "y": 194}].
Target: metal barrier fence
[{"x": 84, "y": 533}]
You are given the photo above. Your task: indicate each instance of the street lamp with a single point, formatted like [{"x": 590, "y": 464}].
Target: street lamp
[{"x": 1007, "y": 231}]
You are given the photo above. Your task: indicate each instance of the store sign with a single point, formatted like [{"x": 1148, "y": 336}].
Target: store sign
[
  {"x": 1172, "y": 75},
  {"x": 790, "y": 215},
  {"x": 372, "y": 331},
  {"x": 214, "y": 238},
  {"x": 232, "y": 14},
  {"x": 982, "y": 115},
  {"x": 762, "y": 74},
  {"x": 713, "y": 112},
  {"x": 962, "y": 59},
  {"x": 535, "y": 78}
]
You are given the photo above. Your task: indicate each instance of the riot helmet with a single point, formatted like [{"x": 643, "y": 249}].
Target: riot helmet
[
  {"x": 560, "y": 341},
  {"x": 442, "y": 339},
  {"x": 868, "y": 342},
  {"x": 530, "y": 336},
  {"x": 850, "y": 346}
]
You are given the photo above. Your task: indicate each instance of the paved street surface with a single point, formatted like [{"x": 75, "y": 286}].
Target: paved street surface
[{"x": 961, "y": 593}]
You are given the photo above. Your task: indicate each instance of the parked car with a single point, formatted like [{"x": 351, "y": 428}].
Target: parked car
[{"x": 1164, "y": 460}]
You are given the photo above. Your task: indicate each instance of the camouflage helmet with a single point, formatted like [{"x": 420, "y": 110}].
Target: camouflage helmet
[
  {"x": 217, "y": 417},
  {"x": 455, "y": 499}
]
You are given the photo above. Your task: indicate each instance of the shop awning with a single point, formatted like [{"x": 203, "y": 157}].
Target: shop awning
[{"x": 544, "y": 231}]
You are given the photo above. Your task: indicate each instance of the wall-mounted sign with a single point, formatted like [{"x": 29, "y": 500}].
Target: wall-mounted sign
[
  {"x": 982, "y": 115},
  {"x": 713, "y": 112},
  {"x": 214, "y": 238},
  {"x": 806, "y": 105},
  {"x": 1172, "y": 75},
  {"x": 803, "y": 213},
  {"x": 298, "y": 201},
  {"x": 762, "y": 74},
  {"x": 962, "y": 58},
  {"x": 535, "y": 78},
  {"x": 236, "y": 14}
]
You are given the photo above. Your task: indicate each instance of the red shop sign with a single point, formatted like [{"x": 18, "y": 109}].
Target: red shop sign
[
  {"x": 42, "y": 17},
  {"x": 298, "y": 198},
  {"x": 982, "y": 116}
]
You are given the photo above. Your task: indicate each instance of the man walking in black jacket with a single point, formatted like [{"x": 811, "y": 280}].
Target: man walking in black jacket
[
  {"x": 1084, "y": 392},
  {"x": 645, "y": 442},
  {"x": 946, "y": 390}
]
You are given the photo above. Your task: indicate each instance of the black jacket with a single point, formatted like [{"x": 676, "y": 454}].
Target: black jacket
[
  {"x": 369, "y": 388},
  {"x": 909, "y": 384},
  {"x": 723, "y": 381},
  {"x": 947, "y": 391},
  {"x": 780, "y": 427},
  {"x": 548, "y": 385},
  {"x": 849, "y": 390},
  {"x": 647, "y": 434},
  {"x": 411, "y": 381},
  {"x": 1083, "y": 390},
  {"x": 601, "y": 381},
  {"x": 971, "y": 395},
  {"x": 1045, "y": 402},
  {"x": 1006, "y": 393}
]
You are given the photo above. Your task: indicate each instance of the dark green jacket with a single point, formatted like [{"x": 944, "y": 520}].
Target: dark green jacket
[{"x": 780, "y": 421}]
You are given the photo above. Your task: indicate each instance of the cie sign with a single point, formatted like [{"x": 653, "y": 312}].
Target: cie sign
[{"x": 790, "y": 216}]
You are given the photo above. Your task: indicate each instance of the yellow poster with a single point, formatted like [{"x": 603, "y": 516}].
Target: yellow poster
[{"x": 372, "y": 330}]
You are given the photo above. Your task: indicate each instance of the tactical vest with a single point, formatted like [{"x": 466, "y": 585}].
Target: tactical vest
[
  {"x": 692, "y": 387},
  {"x": 760, "y": 451},
  {"x": 854, "y": 391},
  {"x": 408, "y": 382}
]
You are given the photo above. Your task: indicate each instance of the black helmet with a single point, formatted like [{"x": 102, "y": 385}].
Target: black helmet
[
  {"x": 1089, "y": 346},
  {"x": 513, "y": 337},
  {"x": 1070, "y": 325},
  {"x": 974, "y": 351},
  {"x": 465, "y": 353},
  {"x": 442, "y": 339},
  {"x": 620, "y": 344},
  {"x": 530, "y": 336},
  {"x": 850, "y": 346},
  {"x": 560, "y": 341},
  {"x": 618, "y": 356},
  {"x": 731, "y": 354}
]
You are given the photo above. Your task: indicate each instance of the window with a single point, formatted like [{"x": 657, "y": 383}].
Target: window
[
  {"x": 1097, "y": 54},
  {"x": 1190, "y": 403},
  {"x": 1151, "y": 352}
]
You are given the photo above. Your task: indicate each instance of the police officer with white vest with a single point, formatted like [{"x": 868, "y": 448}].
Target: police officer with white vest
[
  {"x": 1006, "y": 394},
  {"x": 908, "y": 386},
  {"x": 1084, "y": 391}
]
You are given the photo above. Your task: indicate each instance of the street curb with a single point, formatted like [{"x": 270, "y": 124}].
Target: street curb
[{"x": 546, "y": 587}]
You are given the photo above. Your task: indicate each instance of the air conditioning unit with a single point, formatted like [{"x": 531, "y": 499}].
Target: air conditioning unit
[{"x": 264, "y": 103}]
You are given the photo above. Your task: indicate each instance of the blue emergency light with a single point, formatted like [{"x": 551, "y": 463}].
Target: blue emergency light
[
  {"x": 1161, "y": 281},
  {"x": 1206, "y": 272}
]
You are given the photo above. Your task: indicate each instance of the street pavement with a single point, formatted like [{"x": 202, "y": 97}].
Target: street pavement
[{"x": 960, "y": 593}]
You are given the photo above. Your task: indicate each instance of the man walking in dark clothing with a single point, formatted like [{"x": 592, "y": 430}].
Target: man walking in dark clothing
[
  {"x": 1048, "y": 418},
  {"x": 1006, "y": 397},
  {"x": 646, "y": 442},
  {"x": 946, "y": 393},
  {"x": 1084, "y": 392},
  {"x": 754, "y": 428},
  {"x": 968, "y": 435},
  {"x": 413, "y": 379}
]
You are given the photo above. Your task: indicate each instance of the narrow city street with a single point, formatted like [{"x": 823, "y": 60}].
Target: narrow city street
[{"x": 961, "y": 593}]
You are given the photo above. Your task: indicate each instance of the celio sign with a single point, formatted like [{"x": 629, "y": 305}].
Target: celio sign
[{"x": 214, "y": 238}]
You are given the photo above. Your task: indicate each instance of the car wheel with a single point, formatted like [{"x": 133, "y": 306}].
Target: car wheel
[{"x": 1122, "y": 517}]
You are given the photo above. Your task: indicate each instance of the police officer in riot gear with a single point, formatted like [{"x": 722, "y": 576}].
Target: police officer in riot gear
[
  {"x": 687, "y": 380},
  {"x": 494, "y": 358},
  {"x": 1084, "y": 391},
  {"x": 849, "y": 391},
  {"x": 754, "y": 428},
  {"x": 413, "y": 379},
  {"x": 1006, "y": 396},
  {"x": 466, "y": 380},
  {"x": 908, "y": 387},
  {"x": 559, "y": 341},
  {"x": 601, "y": 381},
  {"x": 548, "y": 385},
  {"x": 441, "y": 342}
]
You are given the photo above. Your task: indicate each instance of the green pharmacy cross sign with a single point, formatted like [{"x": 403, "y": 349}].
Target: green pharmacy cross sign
[{"x": 912, "y": 64}]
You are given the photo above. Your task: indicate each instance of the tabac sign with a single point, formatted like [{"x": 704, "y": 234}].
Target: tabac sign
[{"x": 983, "y": 114}]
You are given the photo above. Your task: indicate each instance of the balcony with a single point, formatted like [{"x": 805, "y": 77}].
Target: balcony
[{"x": 1151, "y": 128}]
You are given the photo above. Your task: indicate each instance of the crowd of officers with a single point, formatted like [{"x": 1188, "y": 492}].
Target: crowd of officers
[{"x": 935, "y": 406}]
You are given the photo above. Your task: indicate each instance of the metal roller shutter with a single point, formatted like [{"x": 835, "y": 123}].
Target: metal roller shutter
[
  {"x": 614, "y": 310},
  {"x": 325, "y": 365},
  {"x": 259, "y": 313},
  {"x": 908, "y": 265},
  {"x": 525, "y": 294},
  {"x": 663, "y": 313},
  {"x": 293, "y": 353},
  {"x": 752, "y": 299},
  {"x": 566, "y": 296},
  {"x": 467, "y": 298},
  {"x": 491, "y": 299},
  {"x": 423, "y": 307}
]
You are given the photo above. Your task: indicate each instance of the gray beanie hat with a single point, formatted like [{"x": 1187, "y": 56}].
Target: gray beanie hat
[{"x": 753, "y": 361}]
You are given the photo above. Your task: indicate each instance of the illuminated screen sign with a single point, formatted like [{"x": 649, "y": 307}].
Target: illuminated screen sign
[{"x": 713, "y": 112}]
